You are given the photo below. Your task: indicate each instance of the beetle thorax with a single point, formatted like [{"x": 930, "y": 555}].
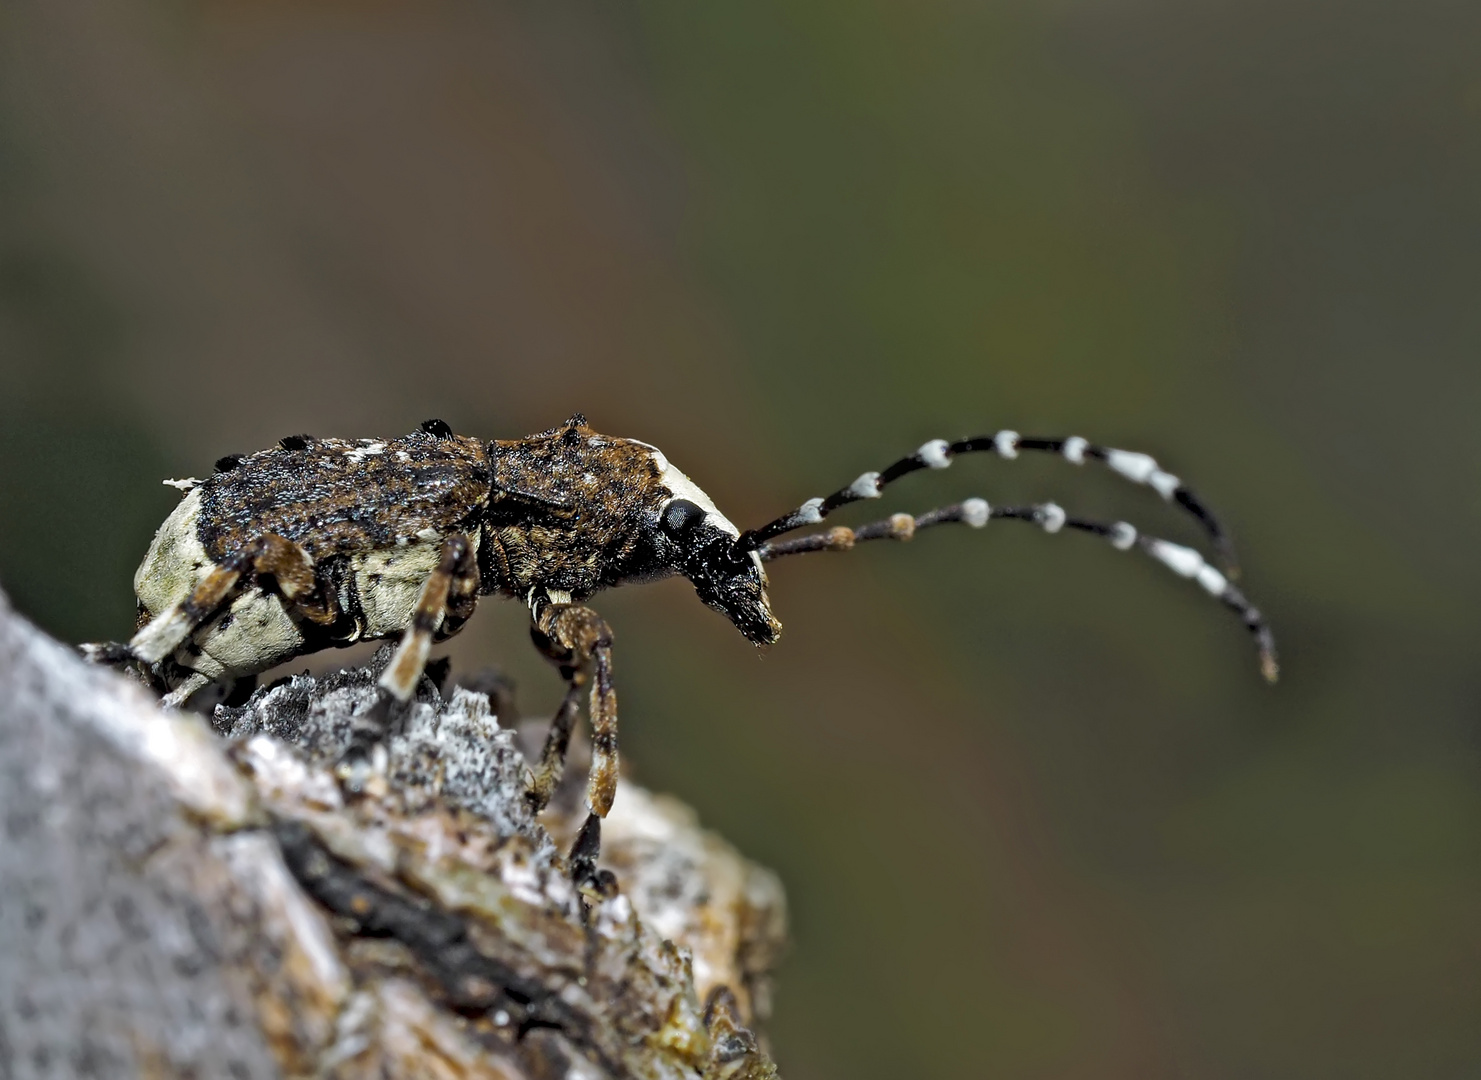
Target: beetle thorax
[{"x": 576, "y": 511}]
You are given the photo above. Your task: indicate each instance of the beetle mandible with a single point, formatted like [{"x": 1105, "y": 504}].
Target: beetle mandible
[{"x": 325, "y": 542}]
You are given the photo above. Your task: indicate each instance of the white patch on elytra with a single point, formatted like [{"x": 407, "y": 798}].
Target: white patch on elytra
[
  {"x": 390, "y": 581},
  {"x": 176, "y": 561},
  {"x": 366, "y": 447},
  {"x": 258, "y": 635}
]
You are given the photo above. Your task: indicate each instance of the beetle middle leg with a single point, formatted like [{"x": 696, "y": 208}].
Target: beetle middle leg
[
  {"x": 547, "y": 775},
  {"x": 579, "y": 642},
  {"x": 446, "y": 600}
]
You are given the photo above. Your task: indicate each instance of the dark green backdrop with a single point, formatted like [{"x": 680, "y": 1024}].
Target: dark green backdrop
[{"x": 1037, "y": 815}]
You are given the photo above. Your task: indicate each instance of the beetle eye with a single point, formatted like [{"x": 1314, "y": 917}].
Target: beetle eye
[{"x": 679, "y": 516}]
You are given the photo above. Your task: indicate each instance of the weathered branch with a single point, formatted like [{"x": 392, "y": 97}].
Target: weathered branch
[{"x": 317, "y": 895}]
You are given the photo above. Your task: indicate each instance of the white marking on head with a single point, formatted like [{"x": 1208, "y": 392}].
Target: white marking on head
[
  {"x": 1135, "y": 467},
  {"x": 810, "y": 512},
  {"x": 1052, "y": 517},
  {"x": 1165, "y": 482},
  {"x": 1183, "y": 561},
  {"x": 558, "y": 596},
  {"x": 681, "y": 487},
  {"x": 975, "y": 512},
  {"x": 184, "y": 487},
  {"x": 1123, "y": 535},
  {"x": 865, "y": 487},
  {"x": 1006, "y": 444},
  {"x": 1074, "y": 450},
  {"x": 934, "y": 453}
]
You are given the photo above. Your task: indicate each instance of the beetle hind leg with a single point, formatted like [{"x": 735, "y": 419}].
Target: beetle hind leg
[
  {"x": 168, "y": 630},
  {"x": 270, "y": 562}
]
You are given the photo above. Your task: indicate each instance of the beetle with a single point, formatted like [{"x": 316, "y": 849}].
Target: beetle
[{"x": 321, "y": 542}]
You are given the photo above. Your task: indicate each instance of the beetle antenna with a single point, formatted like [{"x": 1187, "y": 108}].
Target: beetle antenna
[
  {"x": 1183, "y": 561},
  {"x": 938, "y": 454}
]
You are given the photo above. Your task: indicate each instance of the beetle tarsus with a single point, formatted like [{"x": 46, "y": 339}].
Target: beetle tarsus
[{"x": 585, "y": 850}]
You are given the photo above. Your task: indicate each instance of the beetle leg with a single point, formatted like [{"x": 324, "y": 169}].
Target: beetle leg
[
  {"x": 462, "y": 593},
  {"x": 177, "y": 697},
  {"x": 292, "y": 568},
  {"x": 272, "y": 555},
  {"x": 578, "y": 641},
  {"x": 446, "y": 590},
  {"x": 547, "y": 776},
  {"x": 168, "y": 630}
]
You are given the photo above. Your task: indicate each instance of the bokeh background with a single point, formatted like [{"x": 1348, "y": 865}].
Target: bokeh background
[{"x": 1036, "y": 812}]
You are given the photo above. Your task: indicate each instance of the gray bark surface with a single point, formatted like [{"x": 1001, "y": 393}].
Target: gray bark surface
[{"x": 321, "y": 890}]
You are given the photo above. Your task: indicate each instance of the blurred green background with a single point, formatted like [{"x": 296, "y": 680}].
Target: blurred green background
[{"x": 1037, "y": 814}]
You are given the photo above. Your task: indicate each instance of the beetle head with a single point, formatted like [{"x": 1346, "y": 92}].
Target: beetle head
[{"x": 704, "y": 551}]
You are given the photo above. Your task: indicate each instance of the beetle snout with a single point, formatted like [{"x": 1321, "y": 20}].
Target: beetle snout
[
  {"x": 752, "y": 616},
  {"x": 732, "y": 584},
  {"x": 746, "y": 605}
]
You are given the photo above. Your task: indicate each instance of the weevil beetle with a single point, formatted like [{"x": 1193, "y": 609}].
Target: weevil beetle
[{"x": 324, "y": 542}]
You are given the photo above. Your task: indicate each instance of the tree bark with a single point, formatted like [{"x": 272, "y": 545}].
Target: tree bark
[{"x": 316, "y": 890}]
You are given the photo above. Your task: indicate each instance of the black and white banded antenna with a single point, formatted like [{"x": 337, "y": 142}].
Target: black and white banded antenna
[
  {"x": 975, "y": 513},
  {"x": 1137, "y": 467},
  {"x": 1051, "y": 517}
]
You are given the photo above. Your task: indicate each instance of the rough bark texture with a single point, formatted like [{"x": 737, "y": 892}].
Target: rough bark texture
[{"x": 314, "y": 892}]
